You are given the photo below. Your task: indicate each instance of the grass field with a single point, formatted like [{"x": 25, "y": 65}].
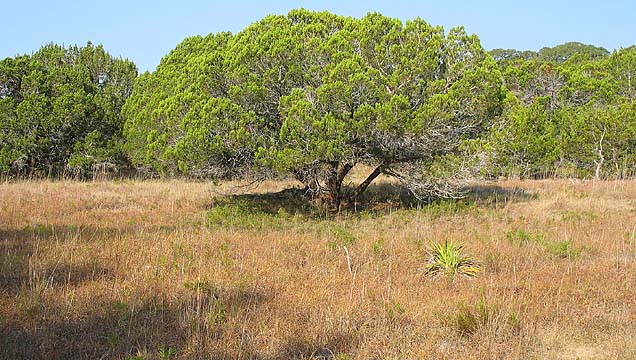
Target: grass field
[{"x": 172, "y": 269}]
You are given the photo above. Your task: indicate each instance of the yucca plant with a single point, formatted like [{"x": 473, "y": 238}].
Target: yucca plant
[{"x": 448, "y": 258}]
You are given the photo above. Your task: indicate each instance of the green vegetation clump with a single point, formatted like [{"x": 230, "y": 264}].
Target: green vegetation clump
[
  {"x": 448, "y": 258},
  {"x": 564, "y": 249},
  {"x": 337, "y": 234},
  {"x": 523, "y": 237},
  {"x": 446, "y": 207},
  {"x": 569, "y": 112}
]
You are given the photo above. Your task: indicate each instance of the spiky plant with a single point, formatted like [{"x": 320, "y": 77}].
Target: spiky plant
[{"x": 448, "y": 258}]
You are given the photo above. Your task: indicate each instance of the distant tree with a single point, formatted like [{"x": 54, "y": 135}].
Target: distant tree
[
  {"x": 572, "y": 51},
  {"x": 511, "y": 55},
  {"x": 564, "y": 52},
  {"x": 60, "y": 110},
  {"x": 312, "y": 95}
]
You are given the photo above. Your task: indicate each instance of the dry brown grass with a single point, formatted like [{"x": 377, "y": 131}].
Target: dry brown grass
[{"x": 122, "y": 269}]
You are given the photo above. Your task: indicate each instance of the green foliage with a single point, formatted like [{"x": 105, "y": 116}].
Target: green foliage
[
  {"x": 337, "y": 234},
  {"x": 394, "y": 310},
  {"x": 522, "y": 237},
  {"x": 167, "y": 353},
  {"x": 203, "y": 287},
  {"x": 341, "y": 356},
  {"x": 378, "y": 247},
  {"x": 568, "y": 52},
  {"x": 30, "y": 300},
  {"x": 447, "y": 258},
  {"x": 563, "y": 249},
  {"x": 449, "y": 207},
  {"x": 311, "y": 95},
  {"x": 179, "y": 119},
  {"x": 469, "y": 320},
  {"x": 60, "y": 111},
  {"x": 217, "y": 313},
  {"x": 122, "y": 311},
  {"x": 569, "y": 118}
]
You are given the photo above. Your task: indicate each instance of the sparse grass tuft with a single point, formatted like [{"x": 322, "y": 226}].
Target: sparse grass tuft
[
  {"x": 377, "y": 247},
  {"x": 483, "y": 317},
  {"x": 563, "y": 249},
  {"x": 167, "y": 353},
  {"x": 468, "y": 320}
]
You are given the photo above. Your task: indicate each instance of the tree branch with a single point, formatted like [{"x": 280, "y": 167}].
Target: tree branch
[{"x": 365, "y": 184}]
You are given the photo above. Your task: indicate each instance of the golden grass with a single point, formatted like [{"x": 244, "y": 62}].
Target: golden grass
[{"x": 151, "y": 269}]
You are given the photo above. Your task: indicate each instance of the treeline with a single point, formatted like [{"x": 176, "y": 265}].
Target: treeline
[
  {"x": 570, "y": 111},
  {"x": 311, "y": 95}
]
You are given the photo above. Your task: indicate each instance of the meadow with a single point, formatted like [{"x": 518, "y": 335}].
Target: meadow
[{"x": 175, "y": 269}]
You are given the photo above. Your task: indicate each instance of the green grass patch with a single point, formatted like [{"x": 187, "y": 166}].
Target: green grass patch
[
  {"x": 522, "y": 237},
  {"x": 468, "y": 320},
  {"x": 243, "y": 215},
  {"x": 450, "y": 207},
  {"x": 564, "y": 249}
]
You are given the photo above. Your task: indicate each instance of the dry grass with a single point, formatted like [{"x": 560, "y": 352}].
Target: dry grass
[{"x": 154, "y": 270}]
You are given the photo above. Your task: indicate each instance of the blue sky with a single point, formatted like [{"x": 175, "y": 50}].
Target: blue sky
[{"x": 144, "y": 31}]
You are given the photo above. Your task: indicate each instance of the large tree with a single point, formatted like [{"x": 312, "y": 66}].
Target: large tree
[{"x": 312, "y": 95}]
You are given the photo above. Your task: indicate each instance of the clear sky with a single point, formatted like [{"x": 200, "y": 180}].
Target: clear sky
[{"x": 144, "y": 31}]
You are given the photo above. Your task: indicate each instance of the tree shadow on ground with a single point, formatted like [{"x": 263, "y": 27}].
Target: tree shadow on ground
[
  {"x": 108, "y": 330},
  {"x": 33, "y": 327},
  {"x": 17, "y": 246},
  {"x": 497, "y": 196},
  {"x": 378, "y": 199},
  {"x": 190, "y": 325},
  {"x": 293, "y": 201},
  {"x": 324, "y": 347}
]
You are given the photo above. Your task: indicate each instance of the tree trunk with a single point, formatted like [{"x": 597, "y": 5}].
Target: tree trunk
[
  {"x": 332, "y": 196},
  {"x": 601, "y": 157}
]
